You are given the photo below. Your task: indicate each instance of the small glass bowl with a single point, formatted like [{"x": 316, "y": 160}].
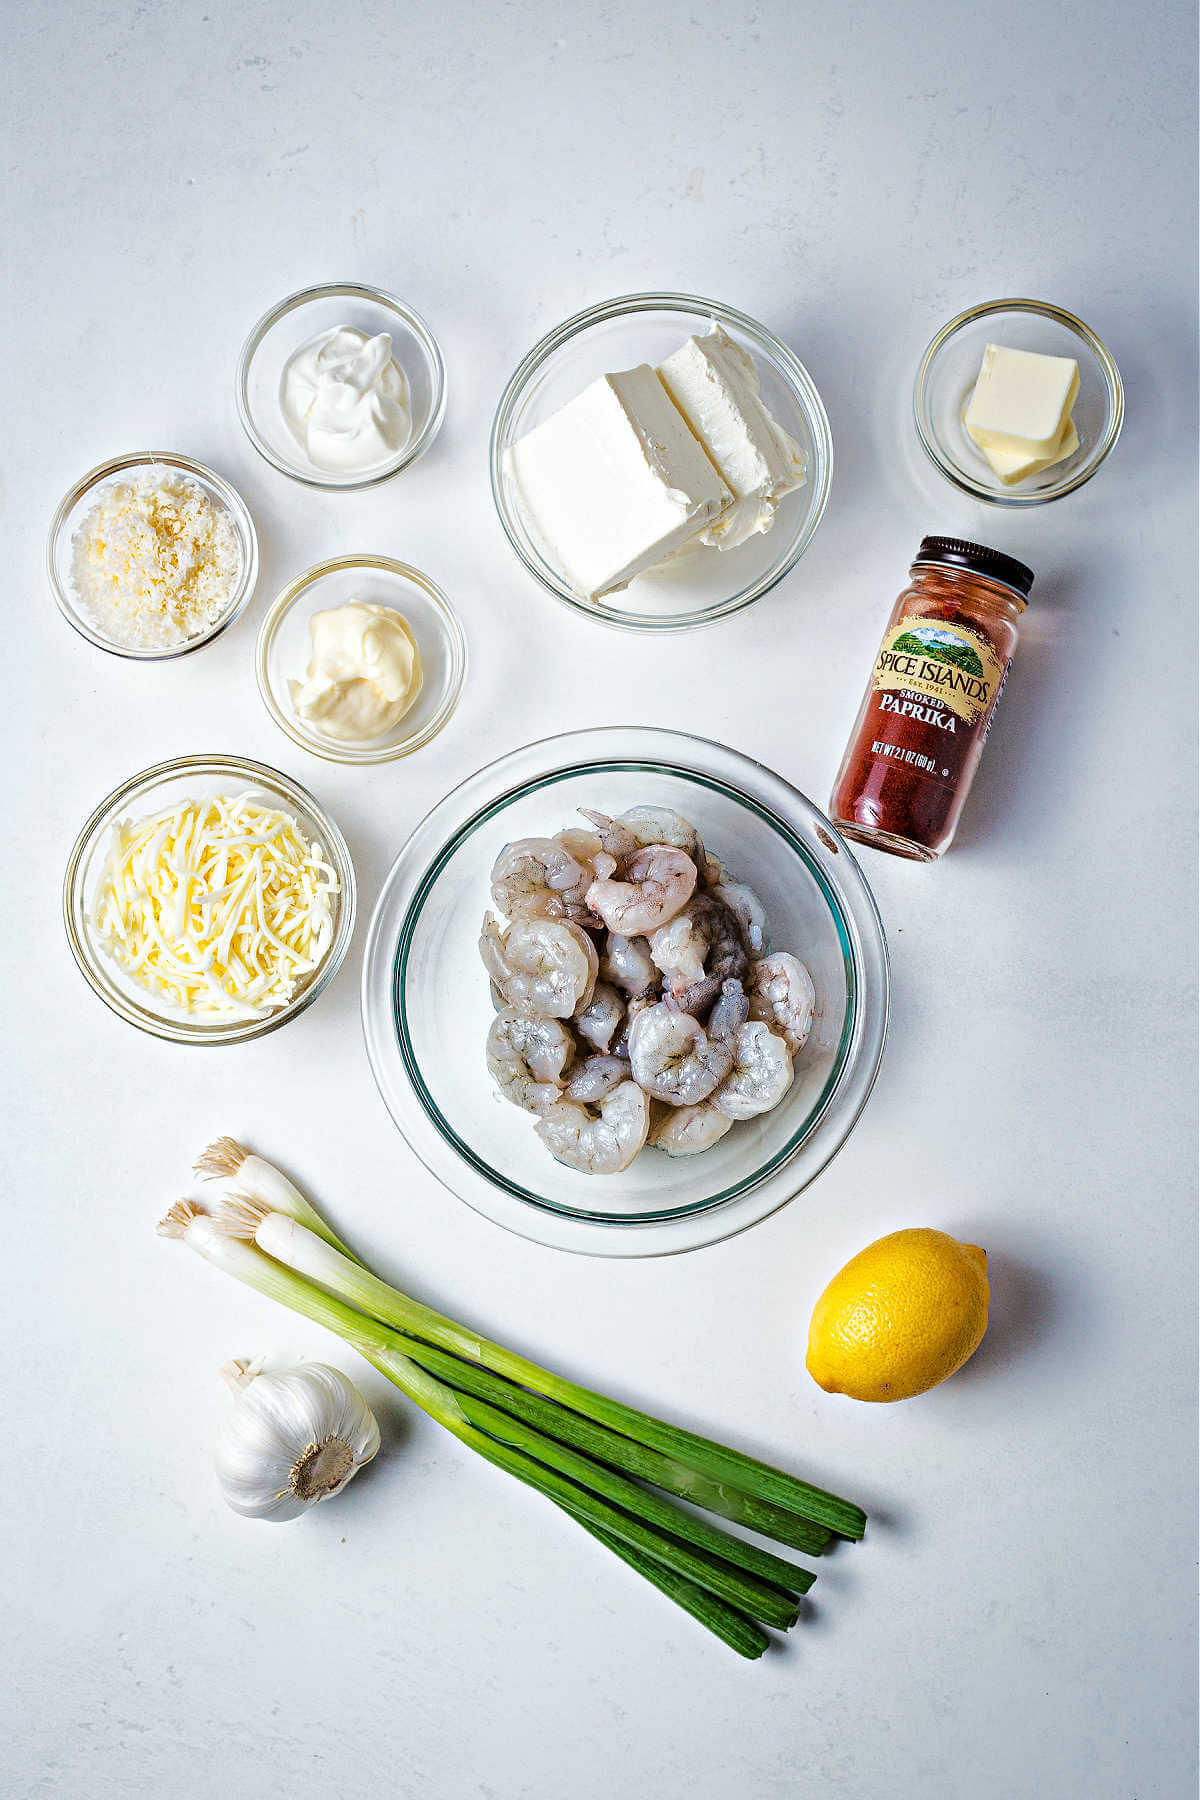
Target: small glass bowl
[
  {"x": 74, "y": 507},
  {"x": 946, "y": 380},
  {"x": 708, "y": 584},
  {"x": 427, "y": 1007},
  {"x": 193, "y": 777},
  {"x": 295, "y": 322},
  {"x": 284, "y": 647}
]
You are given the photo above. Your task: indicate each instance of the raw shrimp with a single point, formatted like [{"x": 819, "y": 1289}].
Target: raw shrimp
[
  {"x": 587, "y": 850},
  {"x": 616, "y": 840},
  {"x": 597, "y": 1146},
  {"x": 540, "y": 878},
  {"x": 595, "y": 1077},
  {"x": 698, "y": 998},
  {"x": 600, "y": 1020},
  {"x": 527, "y": 1059},
  {"x": 658, "y": 881},
  {"x": 749, "y": 912},
  {"x": 659, "y": 825},
  {"x": 636, "y": 997},
  {"x": 584, "y": 846},
  {"x": 687, "y": 1130},
  {"x": 761, "y": 1075},
  {"x": 782, "y": 994},
  {"x": 626, "y": 963},
  {"x": 702, "y": 939},
  {"x": 731, "y": 1010},
  {"x": 672, "y": 1057},
  {"x": 545, "y": 968},
  {"x": 637, "y": 1005}
]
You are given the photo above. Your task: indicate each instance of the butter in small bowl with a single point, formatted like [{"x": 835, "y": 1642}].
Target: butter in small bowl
[{"x": 1019, "y": 413}]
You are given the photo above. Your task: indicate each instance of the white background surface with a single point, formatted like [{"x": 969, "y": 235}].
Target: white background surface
[{"x": 1019, "y": 1620}]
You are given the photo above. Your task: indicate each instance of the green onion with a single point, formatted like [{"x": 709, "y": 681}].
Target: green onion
[
  {"x": 739, "y": 1632},
  {"x": 624, "y": 1493},
  {"x": 292, "y": 1241},
  {"x": 619, "y": 1452},
  {"x": 210, "y": 1238},
  {"x": 760, "y": 1599},
  {"x": 606, "y": 1465}
]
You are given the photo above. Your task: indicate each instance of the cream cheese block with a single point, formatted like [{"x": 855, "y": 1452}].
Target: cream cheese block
[
  {"x": 615, "y": 482},
  {"x": 1022, "y": 403},
  {"x": 714, "y": 383}
]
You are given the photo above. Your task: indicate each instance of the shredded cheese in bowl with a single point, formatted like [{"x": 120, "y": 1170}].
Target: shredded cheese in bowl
[
  {"x": 155, "y": 560},
  {"x": 220, "y": 906}
]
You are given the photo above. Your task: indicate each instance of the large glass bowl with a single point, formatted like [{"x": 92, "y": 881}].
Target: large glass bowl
[
  {"x": 706, "y": 584},
  {"x": 426, "y": 1001},
  {"x": 151, "y": 791},
  {"x": 946, "y": 380}
]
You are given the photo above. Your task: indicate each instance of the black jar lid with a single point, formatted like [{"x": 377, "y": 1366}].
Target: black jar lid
[{"x": 960, "y": 554}]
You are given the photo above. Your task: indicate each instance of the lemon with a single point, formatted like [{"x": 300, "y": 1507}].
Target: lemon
[{"x": 902, "y": 1315}]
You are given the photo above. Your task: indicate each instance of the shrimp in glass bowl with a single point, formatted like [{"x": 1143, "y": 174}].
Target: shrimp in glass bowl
[
  {"x": 429, "y": 1002},
  {"x": 638, "y": 938}
]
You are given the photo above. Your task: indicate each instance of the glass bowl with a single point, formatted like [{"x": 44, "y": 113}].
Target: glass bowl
[
  {"x": 77, "y": 503},
  {"x": 708, "y": 584},
  {"x": 303, "y": 316},
  {"x": 426, "y": 1002},
  {"x": 946, "y": 380},
  {"x": 190, "y": 777},
  {"x": 284, "y": 646}
]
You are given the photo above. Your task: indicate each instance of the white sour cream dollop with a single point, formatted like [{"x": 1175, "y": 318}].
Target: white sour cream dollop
[{"x": 346, "y": 400}]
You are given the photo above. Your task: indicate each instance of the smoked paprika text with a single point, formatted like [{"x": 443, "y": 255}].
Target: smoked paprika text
[{"x": 933, "y": 694}]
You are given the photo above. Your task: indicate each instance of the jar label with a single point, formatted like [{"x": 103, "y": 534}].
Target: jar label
[{"x": 929, "y": 660}]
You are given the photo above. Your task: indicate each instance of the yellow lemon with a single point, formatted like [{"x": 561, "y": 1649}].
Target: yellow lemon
[{"x": 902, "y": 1315}]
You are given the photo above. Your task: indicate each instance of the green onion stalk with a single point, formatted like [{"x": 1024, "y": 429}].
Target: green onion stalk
[{"x": 599, "y": 1461}]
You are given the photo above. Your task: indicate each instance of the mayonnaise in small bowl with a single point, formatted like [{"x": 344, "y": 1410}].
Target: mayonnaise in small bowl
[
  {"x": 361, "y": 659},
  {"x": 363, "y": 675}
]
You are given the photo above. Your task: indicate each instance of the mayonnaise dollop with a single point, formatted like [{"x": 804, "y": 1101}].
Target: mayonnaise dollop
[
  {"x": 364, "y": 672},
  {"x": 346, "y": 400}
]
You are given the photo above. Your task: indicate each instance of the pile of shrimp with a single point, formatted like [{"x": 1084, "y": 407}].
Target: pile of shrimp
[{"x": 637, "y": 999}]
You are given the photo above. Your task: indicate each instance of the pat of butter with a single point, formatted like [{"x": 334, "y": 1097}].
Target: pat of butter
[
  {"x": 1022, "y": 402},
  {"x": 1012, "y": 465},
  {"x": 714, "y": 383},
  {"x": 614, "y": 482}
]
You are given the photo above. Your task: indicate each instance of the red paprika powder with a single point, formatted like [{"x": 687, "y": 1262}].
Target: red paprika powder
[{"x": 933, "y": 694}]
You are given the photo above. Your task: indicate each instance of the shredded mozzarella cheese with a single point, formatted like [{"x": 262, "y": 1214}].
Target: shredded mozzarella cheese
[
  {"x": 219, "y": 906},
  {"x": 155, "y": 560}
]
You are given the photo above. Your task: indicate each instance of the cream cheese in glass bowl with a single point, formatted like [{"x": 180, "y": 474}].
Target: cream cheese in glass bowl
[
  {"x": 427, "y": 1007},
  {"x": 685, "y": 514}
]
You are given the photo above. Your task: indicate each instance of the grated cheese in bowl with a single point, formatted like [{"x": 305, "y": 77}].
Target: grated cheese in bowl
[
  {"x": 156, "y": 560},
  {"x": 219, "y": 906}
]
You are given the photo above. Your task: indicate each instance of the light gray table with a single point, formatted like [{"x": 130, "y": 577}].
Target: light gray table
[{"x": 1019, "y": 1621}]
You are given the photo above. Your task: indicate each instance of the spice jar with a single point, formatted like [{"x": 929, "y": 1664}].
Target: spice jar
[{"x": 932, "y": 697}]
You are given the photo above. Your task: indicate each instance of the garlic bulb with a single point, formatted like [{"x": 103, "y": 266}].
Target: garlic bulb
[{"x": 291, "y": 1438}]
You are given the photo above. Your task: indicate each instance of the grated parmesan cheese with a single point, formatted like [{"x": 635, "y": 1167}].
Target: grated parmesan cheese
[
  {"x": 219, "y": 906},
  {"x": 155, "y": 561}
]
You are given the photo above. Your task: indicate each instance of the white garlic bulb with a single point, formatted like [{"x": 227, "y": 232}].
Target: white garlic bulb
[{"x": 291, "y": 1438}]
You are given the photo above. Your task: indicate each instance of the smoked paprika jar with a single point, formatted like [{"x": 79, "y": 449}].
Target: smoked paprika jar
[{"x": 932, "y": 697}]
